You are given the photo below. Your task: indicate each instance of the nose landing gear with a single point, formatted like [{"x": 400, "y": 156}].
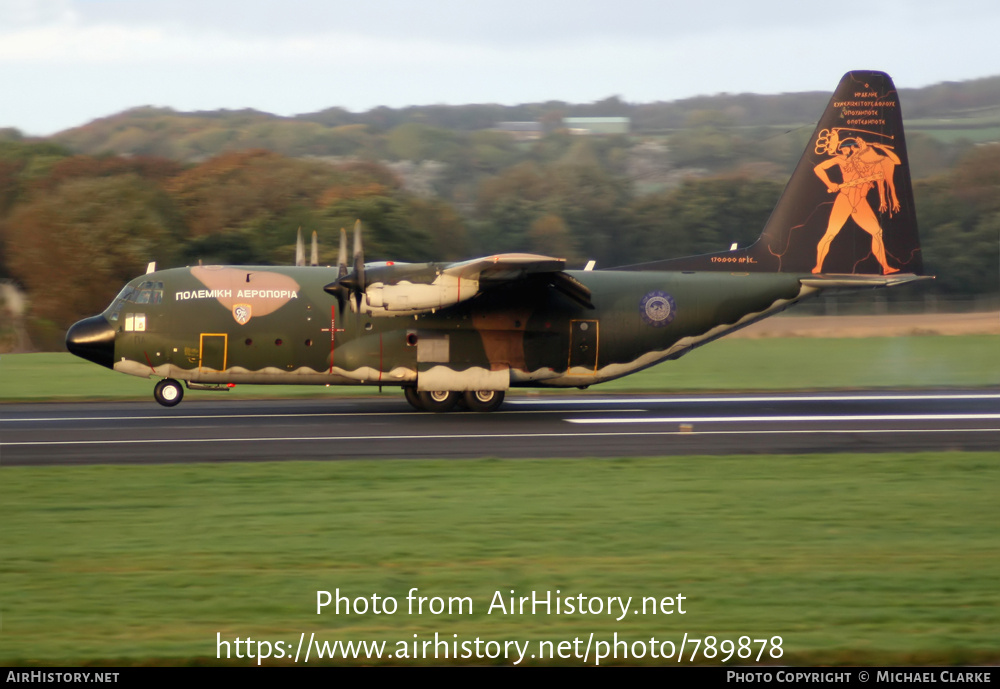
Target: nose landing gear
[{"x": 168, "y": 392}]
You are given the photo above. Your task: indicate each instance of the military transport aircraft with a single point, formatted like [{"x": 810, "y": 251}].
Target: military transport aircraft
[{"x": 468, "y": 331}]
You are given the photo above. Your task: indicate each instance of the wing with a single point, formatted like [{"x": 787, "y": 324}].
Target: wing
[{"x": 504, "y": 267}]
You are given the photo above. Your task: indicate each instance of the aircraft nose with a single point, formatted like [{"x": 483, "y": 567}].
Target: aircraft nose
[{"x": 93, "y": 339}]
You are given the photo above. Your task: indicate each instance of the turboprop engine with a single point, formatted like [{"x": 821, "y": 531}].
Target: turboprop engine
[{"x": 406, "y": 297}]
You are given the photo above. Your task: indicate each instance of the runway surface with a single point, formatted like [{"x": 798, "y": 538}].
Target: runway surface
[{"x": 218, "y": 430}]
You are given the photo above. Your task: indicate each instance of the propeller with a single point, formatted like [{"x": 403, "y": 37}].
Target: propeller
[
  {"x": 349, "y": 283},
  {"x": 315, "y": 250}
]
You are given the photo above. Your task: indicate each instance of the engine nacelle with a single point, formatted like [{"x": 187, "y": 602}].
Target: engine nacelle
[{"x": 407, "y": 298}]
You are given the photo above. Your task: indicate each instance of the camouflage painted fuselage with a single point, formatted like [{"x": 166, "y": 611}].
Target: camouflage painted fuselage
[{"x": 277, "y": 325}]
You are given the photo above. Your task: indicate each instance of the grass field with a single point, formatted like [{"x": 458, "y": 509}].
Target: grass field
[
  {"x": 876, "y": 559},
  {"x": 730, "y": 364}
]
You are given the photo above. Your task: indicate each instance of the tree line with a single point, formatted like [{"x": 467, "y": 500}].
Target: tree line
[{"x": 74, "y": 228}]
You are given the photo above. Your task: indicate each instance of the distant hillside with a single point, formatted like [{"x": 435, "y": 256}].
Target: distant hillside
[{"x": 946, "y": 112}]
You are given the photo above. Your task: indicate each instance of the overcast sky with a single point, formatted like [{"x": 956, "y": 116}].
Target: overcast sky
[{"x": 66, "y": 62}]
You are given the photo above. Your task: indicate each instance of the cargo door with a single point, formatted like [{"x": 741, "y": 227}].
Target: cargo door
[{"x": 583, "y": 341}]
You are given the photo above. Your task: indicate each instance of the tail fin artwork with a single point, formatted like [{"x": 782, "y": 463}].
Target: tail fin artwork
[{"x": 848, "y": 207}]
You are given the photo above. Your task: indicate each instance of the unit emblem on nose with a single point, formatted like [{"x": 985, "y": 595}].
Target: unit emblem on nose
[{"x": 242, "y": 313}]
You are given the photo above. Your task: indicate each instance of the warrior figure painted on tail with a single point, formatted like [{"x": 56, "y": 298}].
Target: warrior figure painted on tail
[{"x": 863, "y": 167}]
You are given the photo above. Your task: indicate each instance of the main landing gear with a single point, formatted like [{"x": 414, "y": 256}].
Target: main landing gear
[
  {"x": 440, "y": 401},
  {"x": 483, "y": 400},
  {"x": 168, "y": 392}
]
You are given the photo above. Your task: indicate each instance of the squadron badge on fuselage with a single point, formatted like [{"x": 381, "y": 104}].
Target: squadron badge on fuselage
[{"x": 657, "y": 308}]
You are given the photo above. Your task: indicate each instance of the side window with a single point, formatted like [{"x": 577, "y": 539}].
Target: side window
[{"x": 135, "y": 322}]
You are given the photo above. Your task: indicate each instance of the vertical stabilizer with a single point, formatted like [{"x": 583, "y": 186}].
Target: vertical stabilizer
[{"x": 848, "y": 207}]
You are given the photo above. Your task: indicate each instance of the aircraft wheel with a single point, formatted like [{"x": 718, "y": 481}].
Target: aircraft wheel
[
  {"x": 168, "y": 392},
  {"x": 438, "y": 401},
  {"x": 483, "y": 400},
  {"x": 413, "y": 397}
]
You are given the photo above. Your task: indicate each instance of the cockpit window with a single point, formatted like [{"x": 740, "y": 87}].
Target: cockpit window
[
  {"x": 116, "y": 306},
  {"x": 148, "y": 292}
]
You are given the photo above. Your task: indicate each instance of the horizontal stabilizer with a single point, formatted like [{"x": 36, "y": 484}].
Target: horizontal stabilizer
[{"x": 827, "y": 282}]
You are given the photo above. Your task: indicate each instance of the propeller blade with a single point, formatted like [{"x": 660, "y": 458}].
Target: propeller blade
[
  {"x": 340, "y": 290},
  {"x": 300, "y": 250},
  {"x": 342, "y": 256},
  {"x": 315, "y": 250},
  {"x": 359, "y": 264}
]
